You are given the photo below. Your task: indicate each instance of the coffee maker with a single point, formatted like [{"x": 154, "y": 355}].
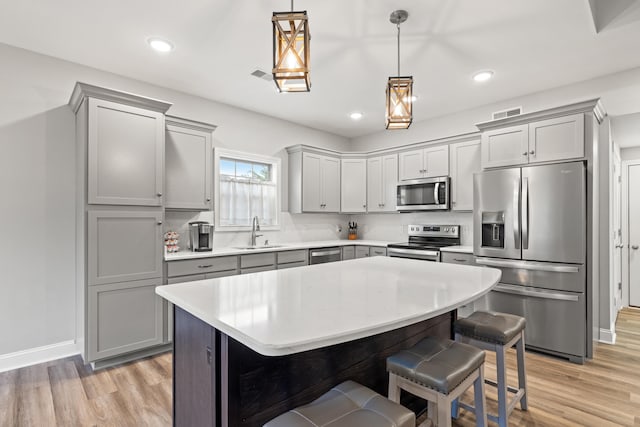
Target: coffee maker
[{"x": 200, "y": 236}]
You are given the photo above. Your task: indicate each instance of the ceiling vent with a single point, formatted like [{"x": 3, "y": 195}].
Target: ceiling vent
[
  {"x": 262, "y": 75},
  {"x": 516, "y": 111}
]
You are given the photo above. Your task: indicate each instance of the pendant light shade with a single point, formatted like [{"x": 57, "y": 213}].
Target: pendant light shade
[
  {"x": 291, "y": 51},
  {"x": 399, "y": 111}
]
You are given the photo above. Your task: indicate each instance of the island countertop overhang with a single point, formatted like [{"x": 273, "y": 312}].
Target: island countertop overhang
[{"x": 282, "y": 312}]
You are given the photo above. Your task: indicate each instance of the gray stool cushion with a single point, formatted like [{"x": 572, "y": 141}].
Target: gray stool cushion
[
  {"x": 490, "y": 326},
  {"x": 347, "y": 405},
  {"x": 439, "y": 364}
]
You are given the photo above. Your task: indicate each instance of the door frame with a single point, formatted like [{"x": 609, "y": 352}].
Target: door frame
[{"x": 625, "y": 229}]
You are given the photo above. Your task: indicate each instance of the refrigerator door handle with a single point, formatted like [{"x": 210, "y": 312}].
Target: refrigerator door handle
[
  {"x": 516, "y": 215},
  {"x": 435, "y": 193},
  {"x": 525, "y": 213},
  {"x": 528, "y": 265},
  {"x": 536, "y": 293}
]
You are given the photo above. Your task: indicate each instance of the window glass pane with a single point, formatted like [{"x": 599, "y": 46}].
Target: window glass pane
[
  {"x": 243, "y": 169},
  {"x": 227, "y": 167},
  {"x": 261, "y": 172}
]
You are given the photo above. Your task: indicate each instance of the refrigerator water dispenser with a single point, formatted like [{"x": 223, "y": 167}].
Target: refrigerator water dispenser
[{"x": 493, "y": 229}]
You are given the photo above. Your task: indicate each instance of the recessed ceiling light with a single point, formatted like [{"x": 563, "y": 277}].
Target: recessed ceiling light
[
  {"x": 483, "y": 76},
  {"x": 356, "y": 115},
  {"x": 160, "y": 45}
]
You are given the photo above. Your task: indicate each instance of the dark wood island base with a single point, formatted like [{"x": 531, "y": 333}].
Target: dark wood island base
[{"x": 220, "y": 382}]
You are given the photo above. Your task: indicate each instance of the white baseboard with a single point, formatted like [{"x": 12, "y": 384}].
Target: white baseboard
[
  {"x": 37, "y": 355},
  {"x": 607, "y": 336}
]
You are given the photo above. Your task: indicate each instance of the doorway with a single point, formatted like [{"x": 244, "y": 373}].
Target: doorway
[
  {"x": 631, "y": 229},
  {"x": 616, "y": 226}
]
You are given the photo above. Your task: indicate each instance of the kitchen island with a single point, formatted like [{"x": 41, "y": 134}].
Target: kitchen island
[{"x": 249, "y": 347}]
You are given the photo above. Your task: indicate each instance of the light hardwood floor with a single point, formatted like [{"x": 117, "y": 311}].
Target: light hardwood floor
[{"x": 603, "y": 392}]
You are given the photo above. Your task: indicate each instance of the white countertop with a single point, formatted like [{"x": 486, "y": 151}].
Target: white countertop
[
  {"x": 458, "y": 249},
  {"x": 288, "y": 311},
  {"x": 278, "y": 247}
]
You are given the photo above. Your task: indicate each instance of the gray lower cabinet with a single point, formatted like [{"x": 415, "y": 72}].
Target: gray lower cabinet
[
  {"x": 188, "y": 164},
  {"x": 291, "y": 259},
  {"x": 377, "y": 251},
  {"x": 123, "y": 317},
  {"x": 457, "y": 258},
  {"x": 123, "y": 245},
  {"x": 463, "y": 259},
  {"x": 189, "y": 270},
  {"x": 253, "y": 263},
  {"x": 362, "y": 251},
  {"x": 348, "y": 252}
]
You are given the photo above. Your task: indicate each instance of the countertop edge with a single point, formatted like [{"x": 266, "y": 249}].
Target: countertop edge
[{"x": 230, "y": 251}]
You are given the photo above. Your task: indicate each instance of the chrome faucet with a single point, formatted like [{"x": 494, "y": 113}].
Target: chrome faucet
[{"x": 255, "y": 226}]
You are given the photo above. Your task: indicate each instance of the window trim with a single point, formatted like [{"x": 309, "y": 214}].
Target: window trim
[{"x": 276, "y": 169}]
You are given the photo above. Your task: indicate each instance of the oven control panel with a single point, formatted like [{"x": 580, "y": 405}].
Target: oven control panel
[{"x": 434, "y": 230}]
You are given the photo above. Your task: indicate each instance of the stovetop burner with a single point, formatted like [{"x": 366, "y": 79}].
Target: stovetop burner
[{"x": 430, "y": 237}]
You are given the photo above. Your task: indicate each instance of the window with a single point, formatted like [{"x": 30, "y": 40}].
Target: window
[{"x": 246, "y": 186}]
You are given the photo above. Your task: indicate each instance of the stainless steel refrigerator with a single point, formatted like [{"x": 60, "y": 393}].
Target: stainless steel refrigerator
[{"x": 530, "y": 222}]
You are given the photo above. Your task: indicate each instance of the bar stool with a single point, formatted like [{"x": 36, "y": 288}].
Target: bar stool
[
  {"x": 439, "y": 370},
  {"x": 347, "y": 405},
  {"x": 497, "y": 332}
]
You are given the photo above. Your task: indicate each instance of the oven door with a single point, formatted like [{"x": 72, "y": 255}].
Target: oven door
[
  {"x": 423, "y": 194},
  {"x": 423, "y": 255}
]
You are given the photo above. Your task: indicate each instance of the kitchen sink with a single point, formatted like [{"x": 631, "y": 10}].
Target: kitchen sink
[{"x": 250, "y": 248}]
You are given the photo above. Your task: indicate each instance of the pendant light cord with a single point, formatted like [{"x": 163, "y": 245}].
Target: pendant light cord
[
  {"x": 398, "y": 48},
  {"x": 291, "y": 5}
]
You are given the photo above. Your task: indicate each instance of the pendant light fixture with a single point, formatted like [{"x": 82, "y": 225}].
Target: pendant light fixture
[
  {"x": 399, "y": 113},
  {"x": 291, "y": 51}
]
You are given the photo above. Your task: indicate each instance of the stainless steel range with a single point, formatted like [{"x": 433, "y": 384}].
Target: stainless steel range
[{"x": 425, "y": 242}]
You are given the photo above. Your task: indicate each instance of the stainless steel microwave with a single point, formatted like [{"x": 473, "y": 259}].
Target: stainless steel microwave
[{"x": 426, "y": 194}]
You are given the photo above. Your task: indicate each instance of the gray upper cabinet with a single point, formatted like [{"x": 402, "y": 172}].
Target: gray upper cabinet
[
  {"x": 314, "y": 181},
  {"x": 505, "y": 147},
  {"x": 548, "y": 140},
  {"x": 556, "y": 139},
  {"x": 424, "y": 163},
  {"x": 123, "y": 245},
  {"x": 125, "y": 150},
  {"x": 188, "y": 164},
  {"x": 382, "y": 179},
  {"x": 464, "y": 162}
]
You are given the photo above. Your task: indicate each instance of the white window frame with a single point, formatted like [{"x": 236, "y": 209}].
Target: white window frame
[{"x": 276, "y": 169}]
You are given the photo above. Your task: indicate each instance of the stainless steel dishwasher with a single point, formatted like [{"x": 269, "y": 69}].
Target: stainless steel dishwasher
[{"x": 322, "y": 255}]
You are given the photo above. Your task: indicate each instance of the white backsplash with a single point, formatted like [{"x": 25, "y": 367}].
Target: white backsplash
[
  {"x": 293, "y": 228},
  {"x": 314, "y": 227},
  {"x": 393, "y": 226}
]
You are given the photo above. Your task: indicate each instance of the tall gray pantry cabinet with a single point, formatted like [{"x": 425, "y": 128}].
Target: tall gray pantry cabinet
[{"x": 120, "y": 161}]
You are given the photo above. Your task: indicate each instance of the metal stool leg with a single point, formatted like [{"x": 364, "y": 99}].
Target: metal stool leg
[
  {"x": 501, "y": 368},
  {"x": 522, "y": 377},
  {"x": 479, "y": 399}
]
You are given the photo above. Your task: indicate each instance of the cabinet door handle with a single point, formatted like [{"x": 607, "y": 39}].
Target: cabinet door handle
[
  {"x": 159, "y": 222},
  {"x": 159, "y": 194},
  {"x": 208, "y": 199},
  {"x": 525, "y": 153},
  {"x": 209, "y": 355},
  {"x": 532, "y": 152},
  {"x": 364, "y": 206},
  {"x": 459, "y": 260},
  {"x": 635, "y": 247},
  {"x": 205, "y": 266}
]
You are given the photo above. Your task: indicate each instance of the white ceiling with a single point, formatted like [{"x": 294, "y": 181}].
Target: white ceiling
[{"x": 531, "y": 45}]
